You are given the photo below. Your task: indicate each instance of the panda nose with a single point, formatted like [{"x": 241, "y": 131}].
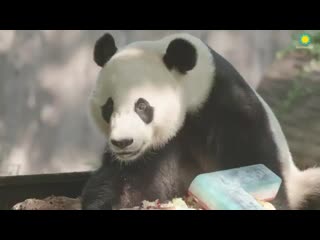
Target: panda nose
[{"x": 122, "y": 143}]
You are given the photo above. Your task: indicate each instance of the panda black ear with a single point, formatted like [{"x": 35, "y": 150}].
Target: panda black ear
[
  {"x": 181, "y": 55},
  {"x": 104, "y": 49}
]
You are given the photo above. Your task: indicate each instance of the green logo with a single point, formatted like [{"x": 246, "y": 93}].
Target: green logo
[{"x": 305, "y": 40}]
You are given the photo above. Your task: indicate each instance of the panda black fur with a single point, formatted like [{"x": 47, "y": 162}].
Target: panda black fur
[{"x": 202, "y": 116}]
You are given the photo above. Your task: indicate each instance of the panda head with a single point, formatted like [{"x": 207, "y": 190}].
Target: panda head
[{"x": 141, "y": 96}]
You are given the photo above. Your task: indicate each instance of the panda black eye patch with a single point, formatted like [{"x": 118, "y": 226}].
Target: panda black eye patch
[
  {"x": 144, "y": 110},
  {"x": 107, "y": 110}
]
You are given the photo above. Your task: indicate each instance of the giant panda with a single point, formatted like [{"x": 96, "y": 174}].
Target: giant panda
[{"x": 172, "y": 109}]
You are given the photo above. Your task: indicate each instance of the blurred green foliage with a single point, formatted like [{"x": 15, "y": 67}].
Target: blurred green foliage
[{"x": 298, "y": 89}]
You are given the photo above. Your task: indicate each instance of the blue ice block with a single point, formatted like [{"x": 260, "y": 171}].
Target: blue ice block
[{"x": 236, "y": 189}]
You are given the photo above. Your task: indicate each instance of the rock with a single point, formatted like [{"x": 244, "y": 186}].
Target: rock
[{"x": 49, "y": 203}]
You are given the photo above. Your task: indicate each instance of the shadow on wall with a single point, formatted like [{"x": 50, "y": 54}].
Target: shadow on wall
[{"x": 46, "y": 77}]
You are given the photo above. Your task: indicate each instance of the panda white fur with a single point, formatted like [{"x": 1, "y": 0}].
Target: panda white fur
[{"x": 172, "y": 109}]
